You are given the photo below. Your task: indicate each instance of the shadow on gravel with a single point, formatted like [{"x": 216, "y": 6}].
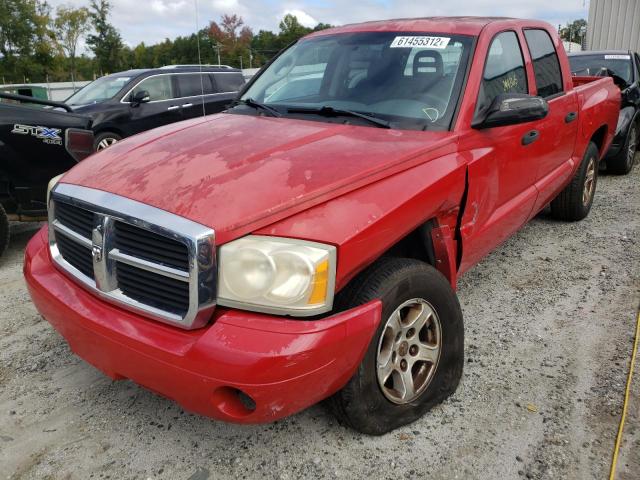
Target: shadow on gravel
[{"x": 19, "y": 235}]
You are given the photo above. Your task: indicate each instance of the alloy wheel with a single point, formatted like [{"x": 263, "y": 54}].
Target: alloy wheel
[
  {"x": 589, "y": 182},
  {"x": 409, "y": 351},
  {"x": 633, "y": 146},
  {"x": 106, "y": 143}
]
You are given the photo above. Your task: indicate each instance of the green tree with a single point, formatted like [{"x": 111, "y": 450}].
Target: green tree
[
  {"x": 17, "y": 27},
  {"x": 291, "y": 29},
  {"x": 575, "y": 31},
  {"x": 70, "y": 25},
  {"x": 106, "y": 42},
  {"x": 267, "y": 44},
  {"x": 26, "y": 47}
]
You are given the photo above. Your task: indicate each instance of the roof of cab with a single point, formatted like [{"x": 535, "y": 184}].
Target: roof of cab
[{"x": 451, "y": 25}]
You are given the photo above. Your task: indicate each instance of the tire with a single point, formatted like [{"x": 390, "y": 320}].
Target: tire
[
  {"x": 622, "y": 162},
  {"x": 4, "y": 231},
  {"x": 105, "y": 140},
  {"x": 365, "y": 403},
  {"x": 574, "y": 202}
]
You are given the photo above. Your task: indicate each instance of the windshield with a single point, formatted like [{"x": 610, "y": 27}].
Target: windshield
[
  {"x": 412, "y": 80},
  {"x": 102, "y": 89},
  {"x": 618, "y": 64}
]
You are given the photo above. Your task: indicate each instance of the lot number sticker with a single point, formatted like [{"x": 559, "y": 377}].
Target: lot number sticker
[
  {"x": 617, "y": 57},
  {"x": 425, "y": 42}
]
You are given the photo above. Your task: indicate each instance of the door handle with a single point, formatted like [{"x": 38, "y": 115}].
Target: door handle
[
  {"x": 173, "y": 107},
  {"x": 187, "y": 105},
  {"x": 530, "y": 137},
  {"x": 570, "y": 117}
]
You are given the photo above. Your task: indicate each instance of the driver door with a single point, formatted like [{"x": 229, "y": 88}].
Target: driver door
[{"x": 501, "y": 160}]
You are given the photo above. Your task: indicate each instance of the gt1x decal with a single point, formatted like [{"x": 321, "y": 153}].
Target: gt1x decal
[{"x": 50, "y": 136}]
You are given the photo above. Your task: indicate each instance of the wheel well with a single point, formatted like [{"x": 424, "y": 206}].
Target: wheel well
[
  {"x": 598, "y": 138},
  {"x": 109, "y": 130},
  {"x": 417, "y": 245}
]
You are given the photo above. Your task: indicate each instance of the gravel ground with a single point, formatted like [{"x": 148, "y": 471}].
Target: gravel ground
[{"x": 550, "y": 318}]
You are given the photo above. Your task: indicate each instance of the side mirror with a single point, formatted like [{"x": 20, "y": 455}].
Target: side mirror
[
  {"x": 512, "y": 109},
  {"x": 140, "y": 97}
]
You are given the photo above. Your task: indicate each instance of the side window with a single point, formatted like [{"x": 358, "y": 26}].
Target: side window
[
  {"x": 228, "y": 82},
  {"x": 191, "y": 85},
  {"x": 504, "y": 70},
  {"x": 546, "y": 65},
  {"x": 159, "y": 87},
  {"x": 637, "y": 68}
]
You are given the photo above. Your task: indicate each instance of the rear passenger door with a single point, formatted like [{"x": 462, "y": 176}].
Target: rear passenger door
[
  {"x": 554, "y": 163},
  {"x": 227, "y": 85},
  {"x": 191, "y": 87}
]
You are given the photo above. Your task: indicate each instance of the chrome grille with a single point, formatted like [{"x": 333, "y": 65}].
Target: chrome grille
[
  {"x": 137, "y": 256},
  {"x": 153, "y": 289},
  {"x": 151, "y": 246},
  {"x": 77, "y": 219},
  {"x": 78, "y": 255}
]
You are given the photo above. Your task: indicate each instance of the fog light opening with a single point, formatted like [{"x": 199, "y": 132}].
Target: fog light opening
[
  {"x": 233, "y": 402},
  {"x": 247, "y": 402}
]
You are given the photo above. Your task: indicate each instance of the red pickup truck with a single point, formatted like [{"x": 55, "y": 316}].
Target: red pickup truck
[{"x": 305, "y": 244}]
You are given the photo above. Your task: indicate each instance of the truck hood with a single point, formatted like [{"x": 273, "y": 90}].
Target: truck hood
[{"x": 238, "y": 173}]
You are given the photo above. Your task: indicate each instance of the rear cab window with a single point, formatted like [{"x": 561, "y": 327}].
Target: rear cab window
[
  {"x": 504, "y": 70},
  {"x": 598, "y": 64},
  {"x": 546, "y": 65}
]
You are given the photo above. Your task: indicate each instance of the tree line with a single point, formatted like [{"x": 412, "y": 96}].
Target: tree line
[{"x": 38, "y": 44}]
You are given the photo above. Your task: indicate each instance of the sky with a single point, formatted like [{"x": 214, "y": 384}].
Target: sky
[{"x": 152, "y": 21}]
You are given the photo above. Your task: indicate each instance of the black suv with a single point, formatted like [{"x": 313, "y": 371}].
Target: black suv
[
  {"x": 624, "y": 67},
  {"x": 131, "y": 102}
]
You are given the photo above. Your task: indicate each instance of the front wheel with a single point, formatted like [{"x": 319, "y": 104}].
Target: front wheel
[
  {"x": 574, "y": 202},
  {"x": 105, "y": 140},
  {"x": 415, "y": 358},
  {"x": 622, "y": 162},
  {"x": 4, "y": 230}
]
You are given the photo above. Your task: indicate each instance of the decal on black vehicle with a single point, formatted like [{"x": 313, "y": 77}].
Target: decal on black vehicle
[{"x": 50, "y": 136}]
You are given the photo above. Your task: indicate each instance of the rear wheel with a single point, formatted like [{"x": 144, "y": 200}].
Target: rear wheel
[
  {"x": 622, "y": 163},
  {"x": 574, "y": 202},
  {"x": 105, "y": 140},
  {"x": 415, "y": 358},
  {"x": 4, "y": 230}
]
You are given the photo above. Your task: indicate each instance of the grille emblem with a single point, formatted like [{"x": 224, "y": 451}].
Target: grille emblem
[{"x": 96, "y": 253}]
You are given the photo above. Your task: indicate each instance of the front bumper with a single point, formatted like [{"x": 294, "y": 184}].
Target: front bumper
[{"x": 282, "y": 365}]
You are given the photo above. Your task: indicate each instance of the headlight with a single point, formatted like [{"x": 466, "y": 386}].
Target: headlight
[
  {"x": 277, "y": 275},
  {"x": 52, "y": 183}
]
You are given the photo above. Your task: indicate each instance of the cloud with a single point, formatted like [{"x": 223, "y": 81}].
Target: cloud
[
  {"x": 156, "y": 20},
  {"x": 303, "y": 17},
  {"x": 225, "y": 4},
  {"x": 163, "y": 7}
]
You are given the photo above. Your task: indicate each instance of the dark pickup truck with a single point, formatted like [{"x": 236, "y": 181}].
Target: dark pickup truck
[
  {"x": 36, "y": 144},
  {"x": 624, "y": 67}
]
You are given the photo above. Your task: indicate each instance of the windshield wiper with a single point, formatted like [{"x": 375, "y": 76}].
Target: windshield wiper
[
  {"x": 329, "y": 111},
  {"x": 250, "y": 102}
]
